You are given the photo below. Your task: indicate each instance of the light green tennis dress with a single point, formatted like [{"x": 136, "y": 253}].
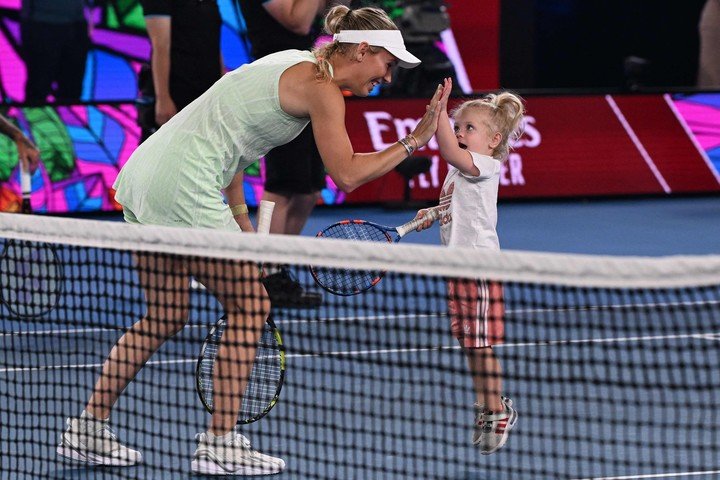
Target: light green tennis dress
[{"x": 176, "y": 177}]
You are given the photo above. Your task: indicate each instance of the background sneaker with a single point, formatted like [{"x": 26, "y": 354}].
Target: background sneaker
[
  {"x": 286, "y": 292},
  {"x": 232, "y": 455},
  {"x": 93, "y": 441}
]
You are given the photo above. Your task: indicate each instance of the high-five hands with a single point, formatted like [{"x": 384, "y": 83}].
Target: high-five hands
[{"x": 428, "y": 124}]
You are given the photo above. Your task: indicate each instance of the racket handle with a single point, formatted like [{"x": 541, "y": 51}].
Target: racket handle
[
  {"x": 265, "y": 211},
  {"x": 26, "y": 189},
  {"x": 432, "y": 214}
]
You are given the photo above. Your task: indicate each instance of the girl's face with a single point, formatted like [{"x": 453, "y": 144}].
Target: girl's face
[
  {"x": 474, "y": 132},
  {"x": 373, "y": 69}
]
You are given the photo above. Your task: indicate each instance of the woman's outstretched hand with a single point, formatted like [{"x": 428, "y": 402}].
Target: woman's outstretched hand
[{"x": 428, "y": 124}]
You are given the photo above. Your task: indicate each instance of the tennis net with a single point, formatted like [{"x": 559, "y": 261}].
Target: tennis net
[{"x": 611, "y": 363}]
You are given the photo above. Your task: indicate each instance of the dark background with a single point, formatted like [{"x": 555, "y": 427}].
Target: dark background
[{"x": 584, "y": 43}]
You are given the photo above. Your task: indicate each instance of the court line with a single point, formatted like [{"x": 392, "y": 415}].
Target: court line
[
  {"x": 370, "y": 318},
  {"x": 655, "y": 475},
  {"x": 340, "y": 353},
  {"x": 702, "y": 336},
  {"x": 81, "y": 366}
]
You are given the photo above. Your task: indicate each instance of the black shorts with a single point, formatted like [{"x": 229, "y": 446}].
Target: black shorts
[{"x": 295, "y": 167}]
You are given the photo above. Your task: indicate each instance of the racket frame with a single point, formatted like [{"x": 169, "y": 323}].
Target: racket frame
[
  {"x": 399, "y": 232},
  {"x": 10, "y": 245}
]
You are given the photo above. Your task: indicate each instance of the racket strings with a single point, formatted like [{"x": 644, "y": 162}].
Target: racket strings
[
  {"x": 30, "y": 278},
  {"x": 265, "y": 378},
  {"x": 356, "y": 231},
  {"x": 345, "y": 281}
]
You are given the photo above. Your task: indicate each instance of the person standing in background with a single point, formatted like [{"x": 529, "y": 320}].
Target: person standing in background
[
  {"x": 294, "y": 172},
  {"x": 28, "y": 154},
  {"x": 186, "y": 59},
  {"x": 55, "y": 42},
  {"x": 709, "y": 29}
]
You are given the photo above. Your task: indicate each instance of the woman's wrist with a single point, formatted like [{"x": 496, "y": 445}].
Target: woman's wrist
[
  {"x": 410, "y": 143},
  {"x": 413, "y": 139},
  {"x": 240, "y": 209},
  {"x": 18, "y": 136}
]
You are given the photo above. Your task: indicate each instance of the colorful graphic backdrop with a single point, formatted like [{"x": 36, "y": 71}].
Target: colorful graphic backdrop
[
  {"x": 84, "y": 146},
  {"x": 574, "y": 146}
]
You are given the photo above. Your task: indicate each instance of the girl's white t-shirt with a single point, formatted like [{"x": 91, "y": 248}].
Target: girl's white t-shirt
[{"x": 468, "y": 215}]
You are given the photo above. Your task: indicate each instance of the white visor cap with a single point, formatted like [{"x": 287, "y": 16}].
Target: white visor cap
[{"x": 390, "y": 40}]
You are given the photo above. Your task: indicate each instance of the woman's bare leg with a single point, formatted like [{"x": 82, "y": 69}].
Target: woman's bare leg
[
  {"x": 237, "y": 286},
  {"x": 165, "y": 281}
]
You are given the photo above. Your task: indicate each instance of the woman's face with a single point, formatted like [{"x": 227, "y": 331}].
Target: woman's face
[{"x": 372, "y": 69}]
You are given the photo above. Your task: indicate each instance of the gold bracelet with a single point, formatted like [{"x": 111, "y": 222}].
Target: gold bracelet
[
  {"x": 239, "y": 210},
  {"x": 409, "y": 137}
]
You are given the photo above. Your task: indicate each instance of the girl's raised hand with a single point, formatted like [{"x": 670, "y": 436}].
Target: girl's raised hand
[
  {"x": 428, "y": 219},
  {"x": 447, "y": 88}
]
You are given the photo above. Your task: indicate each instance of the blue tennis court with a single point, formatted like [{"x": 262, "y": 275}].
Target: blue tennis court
[{"x": 356, "y": 365}]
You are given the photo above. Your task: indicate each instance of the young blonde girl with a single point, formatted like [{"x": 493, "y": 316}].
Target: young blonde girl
[{"x": 475, "y": 148}]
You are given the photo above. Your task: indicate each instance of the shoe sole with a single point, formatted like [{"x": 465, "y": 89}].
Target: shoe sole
[
  {"x": 208, "y": 467},
  {"x": 511, "y": 423},
  {"x": 93, "y": 459}
]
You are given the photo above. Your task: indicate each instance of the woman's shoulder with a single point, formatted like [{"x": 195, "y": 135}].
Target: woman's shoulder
[{"x": 287, "y": 57}]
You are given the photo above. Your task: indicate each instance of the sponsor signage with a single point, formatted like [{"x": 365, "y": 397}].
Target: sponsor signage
[{"x": 572, "y": 146}]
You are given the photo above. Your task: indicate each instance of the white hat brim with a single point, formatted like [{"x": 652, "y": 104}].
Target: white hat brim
[
  {"x": 390, "y": 40},
  {"x": 405, "y": 58}
]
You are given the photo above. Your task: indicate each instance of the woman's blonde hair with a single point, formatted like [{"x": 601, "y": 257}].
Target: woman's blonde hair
[
  {"x": 506, "y": 113},
  {"x": 341, "y": 18}
]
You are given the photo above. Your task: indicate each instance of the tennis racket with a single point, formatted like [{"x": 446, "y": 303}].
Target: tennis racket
[
  {"x": 268, "y": 372},
  {"x": 31, "y": 277},
  {"x": 266, "y": 378},
  {"x": 345, "y": 282}
]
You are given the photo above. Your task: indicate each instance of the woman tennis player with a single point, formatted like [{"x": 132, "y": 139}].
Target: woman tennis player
[
  {"x": 177, "y": 177},
  {"x": 483, "y": 134}
]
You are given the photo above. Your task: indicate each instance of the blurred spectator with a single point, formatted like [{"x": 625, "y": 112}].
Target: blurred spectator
[
  {"x": 28, "y": 154},
  {"x": 709, "y": 29},
  {"x": 55, "y": 41},
  {"x": 294, "y": 172},
  {"x": 186, "y": 59},
  {"x": 421, "y": 22}
]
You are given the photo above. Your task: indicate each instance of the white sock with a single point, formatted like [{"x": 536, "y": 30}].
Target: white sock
[
  {"x": 85, "y": 415},
  {"x": 90, "y": 422},
  {"x": 271, "y": 268},
  {"x": 220, "y": 438}
]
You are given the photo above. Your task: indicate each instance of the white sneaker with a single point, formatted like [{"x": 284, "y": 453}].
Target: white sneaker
[
  {"x": 231, "y": 454},
  {"x": 477, "y": 426},
  {"x": 491, "y": 430},
  {"x": 93, "y": 441}
]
